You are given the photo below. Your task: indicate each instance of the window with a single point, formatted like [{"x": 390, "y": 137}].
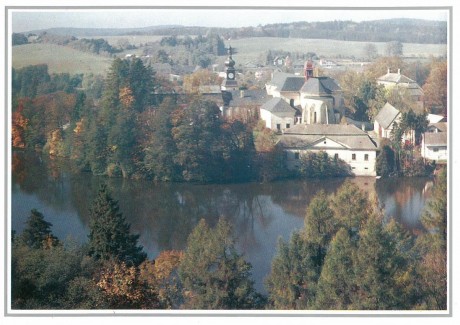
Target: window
[
  {"x": 336, "y": 156},
  {"x": 314, "y": 117},
  {"x": 296, "y": 155},
  {"x": 278, "y": 127},
  {"x": 366, "y": 157},
  {"x": 288, "y": 125},
  {"x": 353, "y": 156},
  {"x": 435, "y": 149}
]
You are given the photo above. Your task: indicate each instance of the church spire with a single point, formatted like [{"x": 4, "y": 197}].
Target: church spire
[{"x": 229, "y": 82}]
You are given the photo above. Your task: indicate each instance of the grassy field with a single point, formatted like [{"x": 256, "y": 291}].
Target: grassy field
[
  {"x": 250, "y": 49},
  {"x": 59, "y": 59},
  {"x": 64, "y": 59}
]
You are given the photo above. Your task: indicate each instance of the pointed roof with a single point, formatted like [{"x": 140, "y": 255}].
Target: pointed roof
[
  {"x": 387, "y": 115},
  {"x": 319, "y": 86},
  {"x": 278, "y": 105},
  {"x": 395, "y": 78}
]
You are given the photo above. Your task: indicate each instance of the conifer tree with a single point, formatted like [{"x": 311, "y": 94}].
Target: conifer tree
[
  {"x": 320, "y": 225},
  {"x": 110, "y": 237},
  {"x": 37, "y": 233},
  {"x": 291, "y": 283},
  {"x": 376, "y": 266},
  {"x": 336, "y": 283},
  {"x": 213, "y": 274}
]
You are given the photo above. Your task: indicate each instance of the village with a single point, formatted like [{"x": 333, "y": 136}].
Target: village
[{"x": 307, "y": 112}]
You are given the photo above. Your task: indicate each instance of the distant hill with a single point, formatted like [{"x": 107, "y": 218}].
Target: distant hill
[{"x": 386, "y": 30}]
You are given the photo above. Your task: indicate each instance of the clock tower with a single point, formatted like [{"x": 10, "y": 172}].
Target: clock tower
[{"x": 229, "y": 82}]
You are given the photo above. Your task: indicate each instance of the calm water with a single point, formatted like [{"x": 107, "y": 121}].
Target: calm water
[{"x": 165, "y": 214}]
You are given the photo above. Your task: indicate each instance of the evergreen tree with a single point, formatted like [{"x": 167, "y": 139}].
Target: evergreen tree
[
  {"x": 291, "y": 283},
  {"x": 37, "y": 233},
  {"x": 161, "y": 149},
  {"x": 320, "y": 225},
  {"x": 109, "y": 236},
  {"x": 213, "y": 274},
  {"x": 376, "y": 266},
  {"x": 351, "y": 207},
  {"x": 336, "y": 284}
]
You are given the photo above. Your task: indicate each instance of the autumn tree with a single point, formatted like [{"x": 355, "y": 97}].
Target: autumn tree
[
  {"x": 435, "y": 88},
  {"x": 212, "y": 272},
  {"x": 109, "y": 233},
  {"x": 200, "y": 78}
]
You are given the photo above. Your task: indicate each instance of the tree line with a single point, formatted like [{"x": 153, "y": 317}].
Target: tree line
[{"x": 346, "y": 257}]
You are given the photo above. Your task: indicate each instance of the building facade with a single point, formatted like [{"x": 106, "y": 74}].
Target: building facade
[{"x": 345, "y": 142}]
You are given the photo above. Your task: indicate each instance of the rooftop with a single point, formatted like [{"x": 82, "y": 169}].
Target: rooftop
[
  {"x": 278, "y": 105},
  {"x": 320, "y": 86},
  {"x": 436, "y": 139},
  {"x": 287, "y": 82},
  {"x": 387, "y": 115}
]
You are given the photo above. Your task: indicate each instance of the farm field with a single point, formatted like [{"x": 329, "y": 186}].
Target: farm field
[
  {"x": 250, "y": 49},
  {"x": 60, "y": 59},
  {"x": 132, "y": 39}
]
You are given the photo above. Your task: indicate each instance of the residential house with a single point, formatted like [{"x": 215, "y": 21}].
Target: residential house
[
  {"x": 385, "y": 120},
  {"x": 400, "y": 82},
  {"x": 278, "y": 115},
  {"x": 434, "y": 146},
  {"x": 345, "y": 142}
]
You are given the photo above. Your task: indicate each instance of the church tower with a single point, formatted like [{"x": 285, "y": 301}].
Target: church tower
[
  {"x": 308, "y": 70},
  {"x": 229, "y": 82}
]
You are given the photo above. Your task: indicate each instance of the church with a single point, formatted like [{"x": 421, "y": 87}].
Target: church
[{"x": 305, "y": 112}]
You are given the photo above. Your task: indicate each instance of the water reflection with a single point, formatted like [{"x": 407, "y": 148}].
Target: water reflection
[{"x": 165, "y": 214}]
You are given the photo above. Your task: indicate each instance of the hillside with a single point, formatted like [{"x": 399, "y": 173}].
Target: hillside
[
  {"x": 59, "y": 59},
  {"x": 403, "y": 30}
]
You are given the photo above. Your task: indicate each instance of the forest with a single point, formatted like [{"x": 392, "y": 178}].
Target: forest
[
  {"x": 415, "y": 31},
  {"x": 346, "y": 257}
]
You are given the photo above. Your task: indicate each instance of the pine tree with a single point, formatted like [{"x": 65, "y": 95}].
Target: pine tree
[
  {"x": 291, "y": 283},
  {"x": 37, "y": 233},
  {"x": 320, "y": 225},
  {"x": 110, "y": 236},
  {"x": 336, "y": 283},
  {"x": 213, "y": 274},
  {"x": 376, "y": 268}
]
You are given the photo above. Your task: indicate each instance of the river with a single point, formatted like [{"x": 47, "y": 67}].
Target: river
[{"x": 165, "y": 214}]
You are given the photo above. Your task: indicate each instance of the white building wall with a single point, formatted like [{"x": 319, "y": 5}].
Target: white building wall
[
  {"x": 359, "y": 166},
  {"x": 272, "y": 120},
  {"x": 434, "y": 152}
]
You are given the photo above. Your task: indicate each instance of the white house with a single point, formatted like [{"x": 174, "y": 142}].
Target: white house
[
  {"x": 434, "y": 142},
  {"x": 400, "y": 82},
  {"x": 434, "y": 146},
  {"x": 345, "y": 142},
  {"x": 385, "y": 120},
  {"x": 277, "y": 114}
]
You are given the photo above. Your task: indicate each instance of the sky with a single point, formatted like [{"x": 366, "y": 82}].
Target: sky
[{"x": 24, "y": 20}]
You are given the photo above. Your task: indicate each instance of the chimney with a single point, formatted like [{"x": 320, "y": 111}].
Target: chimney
[
  {"x": 399, "y": 71},
  {"x": 363, "y": 127},
  {"x": 388, "y": 71},
  {"x": 241, "y": 93}
]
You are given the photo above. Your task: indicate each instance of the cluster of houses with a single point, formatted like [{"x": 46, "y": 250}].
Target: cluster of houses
[{"x": 307, "y": 110}]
